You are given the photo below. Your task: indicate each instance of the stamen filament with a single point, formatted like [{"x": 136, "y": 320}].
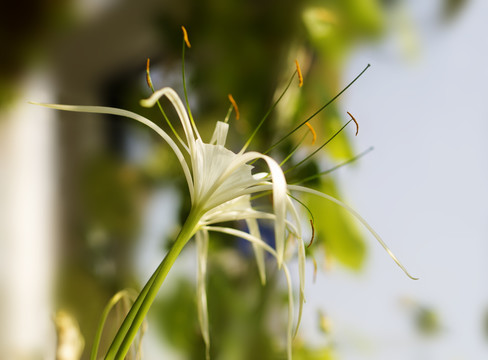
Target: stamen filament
[
  {"x": 187, "y": 43},
  {"x": 320, "y": 174},
  {"x": 318, "y": 149},
  {"x": 150, "y": 84},
  {"x": 248, "y": 142},
  {"x": 317, "y": 112},
  {"x": 294, "y": 150},
  {"x": 227, "y": 116}
]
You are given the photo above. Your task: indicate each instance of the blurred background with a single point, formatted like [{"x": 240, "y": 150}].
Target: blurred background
[{"x": 89, "y": 204}]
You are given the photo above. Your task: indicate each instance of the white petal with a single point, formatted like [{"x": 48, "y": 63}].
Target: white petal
[
  {"x": 301, "y": 261},
  {"x": 137, "y": 117},
  {"x": 202, "y": 250},
  {"x": 244, "y": 235},
  {"x": 227, "y": 185},
  {"x": 220, "y": 133},
  {"x": 180, "y": 110},
  {"x": 252, "y": 224},
  {"x": 214, "y": 183}
]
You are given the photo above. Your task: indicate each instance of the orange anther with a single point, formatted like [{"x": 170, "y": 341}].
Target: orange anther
[
  {"x": 299, "y": 72},
  {"x": 148, "y": 77},
  {"x": 353, "y": 119},
  {"x": 314, "y": 134},
  {"x": 185, "y": 37},
  {"x": 234, "y": 104}
]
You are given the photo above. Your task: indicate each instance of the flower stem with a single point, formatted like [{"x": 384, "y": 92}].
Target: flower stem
[{"x": 133, "y": 321}]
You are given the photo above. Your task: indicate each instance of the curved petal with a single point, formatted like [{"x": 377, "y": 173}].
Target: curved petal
[
  {"x": 180, "y": 110},
  {"x": 214, "y": 183},
  {"x": 279, "y": 188},
  {"x": 253, "y": 227},
  {"x": 301, "y": 261},
  {"x": 134, "y": 116},
  {"x": 202, "y": 250},
  {"x": 357, "y": 216},
  {"x": 220, "y": 133}
]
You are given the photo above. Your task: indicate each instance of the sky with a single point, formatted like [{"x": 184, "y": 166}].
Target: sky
[{"x": 423, "y": 189}]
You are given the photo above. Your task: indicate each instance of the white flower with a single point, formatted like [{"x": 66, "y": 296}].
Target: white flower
[{"x": 221, "y": 184}]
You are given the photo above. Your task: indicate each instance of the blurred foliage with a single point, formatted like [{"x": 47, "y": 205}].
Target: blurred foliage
[
  {"x": 427, "y": 321},
  {"x": 426, "y": 318},
  {"x": 242, "y": 47},
  {"x": 239, "y": 313},
  {"x": 25, "y": 32},
  {"x": 248, "y": 50},
  {"x": 243, "y": 316}
]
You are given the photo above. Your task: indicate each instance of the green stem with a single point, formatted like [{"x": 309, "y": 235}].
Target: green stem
[
  {"x": 113, "y": 301},
  {"x": 133, "y": 321}
]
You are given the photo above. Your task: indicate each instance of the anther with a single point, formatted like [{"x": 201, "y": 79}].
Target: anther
[
  {"x": 314, "y": 134},
  {"x": 234, "y": 104},
  {"x": 148, "y": 77},
  {"x": 353, "y": 119},
  {"x": 185, "y": 37},
  {"x": 313, "y": 233},
  {"x": 299, "y": 72}
]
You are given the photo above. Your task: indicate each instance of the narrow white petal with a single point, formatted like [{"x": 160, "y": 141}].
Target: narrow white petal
[
  {"x": 357, "y": 216},
  {"x": 301, "y": 261},
  {"x": 201, "y": 238},
  {"x": 180, "y": 110},
  {"x": 217, "y": 179},
  {"x": 279, "y": 188},
  {"x": 244, "y": 235},
  {"x": 252, "y": 224},
  {"x": 289, "y": 337},
  {"x": 220, "y": 133},
  {"x": 137, "y": 117}
]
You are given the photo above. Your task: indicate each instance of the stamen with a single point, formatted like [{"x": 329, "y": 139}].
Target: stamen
[
  {"x": 319, "y": 148},
  {"x": 353, "y": 119},
  {"x": 318, "y": 111},
  {"x": 187, "y": 42},
  {"x": 299, "y": 72},
  {"x": 294, "y": 150},
  {"x": 234, "y": 104},
  {"x": 185, "y": 37},
  {"x": 313, "y": 233},
  {"x": 267, "y": 115},
  {"x": 148, "y": 76},
  {"x": 150, "y": 84},
  {"x": 314, "y": 134}
]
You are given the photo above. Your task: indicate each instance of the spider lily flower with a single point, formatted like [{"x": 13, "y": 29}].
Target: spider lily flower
[{"x": 221, "y": 184}]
